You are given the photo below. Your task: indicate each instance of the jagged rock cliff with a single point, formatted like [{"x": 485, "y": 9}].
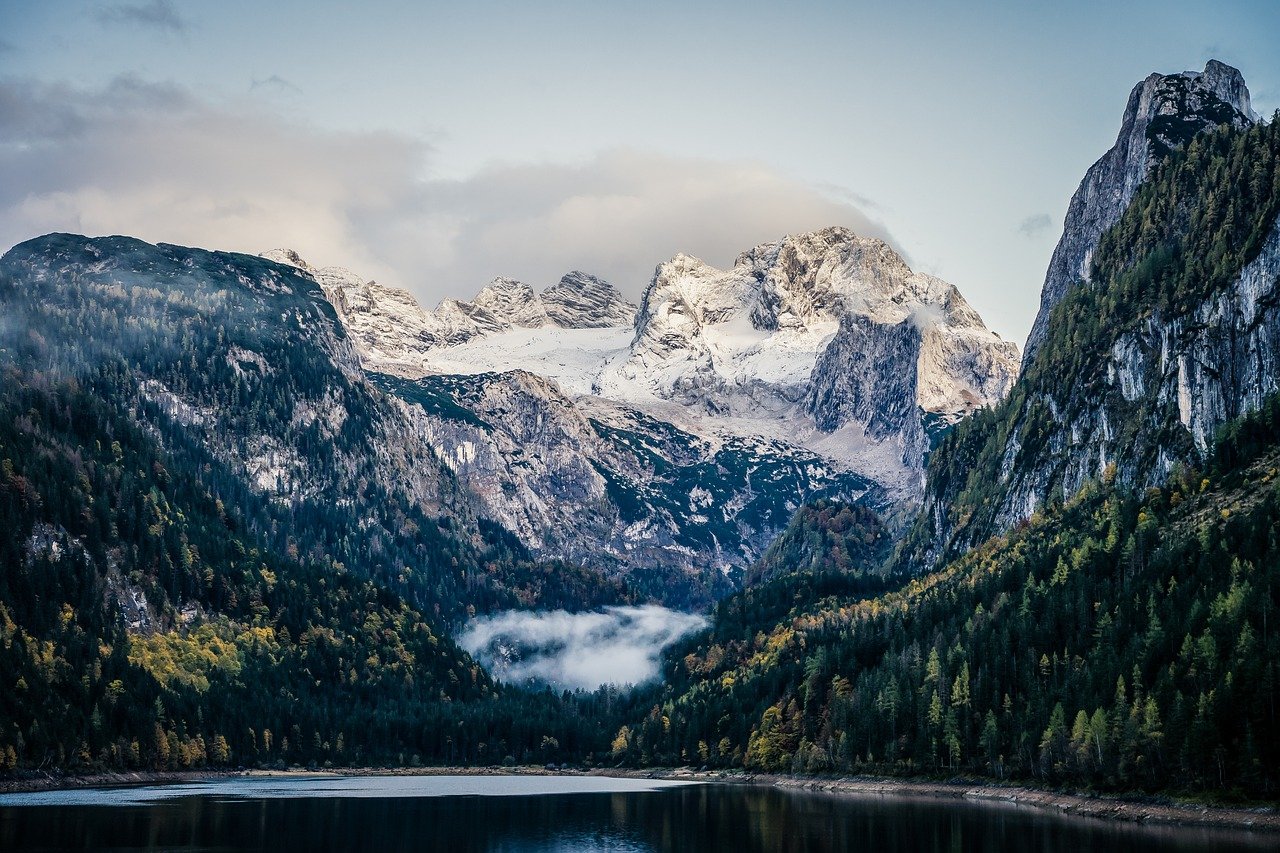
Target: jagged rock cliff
[
  {"x": 826, "y": 335},
  {"x": 1163, "y": 112},
  {"x": 1177, "y": 333}
]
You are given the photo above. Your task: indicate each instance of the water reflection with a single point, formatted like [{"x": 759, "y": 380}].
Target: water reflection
[{"x": 702, "y": 818}]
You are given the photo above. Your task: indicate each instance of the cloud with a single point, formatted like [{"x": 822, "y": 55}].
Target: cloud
[
  {"x": 1034, "y": 226},
  {"x": 159, "y": 14},
  {"x": 274, "y": 82},
  {"x": 154, "y": 161},
  {"x": 620, "y": 645}
]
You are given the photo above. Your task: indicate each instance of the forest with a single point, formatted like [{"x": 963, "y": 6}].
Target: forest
[{"x": 160, "y": 608}]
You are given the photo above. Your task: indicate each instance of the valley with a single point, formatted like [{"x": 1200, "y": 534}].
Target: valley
[{"x": 258, "y": 512}]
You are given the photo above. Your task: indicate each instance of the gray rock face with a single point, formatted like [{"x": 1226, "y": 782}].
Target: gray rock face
[
  {"x": 1163, "y": 112},
  {"x": 582, "y": 301},
  {"x": 1169, "y": 386},
  {"x": 868, "y": 375},
  {"x": 603, "y": 485}
]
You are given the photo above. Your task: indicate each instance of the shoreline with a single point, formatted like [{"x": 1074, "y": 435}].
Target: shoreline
[{"x": 1108, "y": 807}]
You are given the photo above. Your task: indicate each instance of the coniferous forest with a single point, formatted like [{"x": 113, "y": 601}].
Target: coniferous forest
[{"x": 157, "y": 611}]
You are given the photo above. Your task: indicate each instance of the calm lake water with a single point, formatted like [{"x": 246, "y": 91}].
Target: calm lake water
[{"x": 557, "y": 813}]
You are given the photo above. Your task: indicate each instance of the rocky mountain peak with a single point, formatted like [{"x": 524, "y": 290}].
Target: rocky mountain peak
[
  {"x": 288, "y": 257},
  {"x": 583, "y": 301},
  {"x": 1227, "y": 84},
  {"x": 817, "y": 331},
  {"x": 1164, "y": 111},
  {"x": 512, "y": 302}
]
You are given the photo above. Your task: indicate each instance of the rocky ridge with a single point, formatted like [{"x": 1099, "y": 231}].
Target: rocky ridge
[
  {"x": 1163, "y": 112},
  {"x": 779, "y": 336},
  {"x": 673, "y": 442},
  {"x": 1172, "y": 369},
  {"x": 394, "y": 332}
]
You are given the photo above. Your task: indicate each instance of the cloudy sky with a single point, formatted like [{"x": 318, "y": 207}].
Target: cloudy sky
[{"x": 436, "y": 145}]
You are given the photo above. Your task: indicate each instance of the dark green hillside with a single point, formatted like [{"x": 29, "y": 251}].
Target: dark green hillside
[
  {"x": 168, "y": 601},
  {"x": 1122, "y": 641},
  {"x": 1191, "y": 228},
  {"x": 825, "y": 537}
]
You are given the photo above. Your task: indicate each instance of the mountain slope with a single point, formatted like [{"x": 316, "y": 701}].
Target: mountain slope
[
  {"x": 677, "y": 514},
  {"x": 767, "y": 344},
  {"x": 670, "y": 445},
  {"x": 1176, "y": 333},
  {"x": 1119, "y": 641},
  {"x": 1093, "y": 578},
  {"x": 1164, "y": 111},
  {"x": 222, "y": 543}
]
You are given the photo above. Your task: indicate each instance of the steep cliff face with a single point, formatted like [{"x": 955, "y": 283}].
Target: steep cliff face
[
  {"x": 868, "y": 375},
  {"x": 1177, "y": 333},
  {"x": 1164, "y": 111},
  {"x": 818, "y": 334},
  {"x": 1168, "y": 387},
  {"x": 679, "y": 514}
]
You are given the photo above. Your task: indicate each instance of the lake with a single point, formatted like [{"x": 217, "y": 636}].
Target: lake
[{"x": 553, "y": 813}]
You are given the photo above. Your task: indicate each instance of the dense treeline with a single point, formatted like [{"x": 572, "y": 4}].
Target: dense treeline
[
  {"x": 266, "y": 660},
  {"x": 1120, "y": 642},
  {"x": 825, "y": 537}
]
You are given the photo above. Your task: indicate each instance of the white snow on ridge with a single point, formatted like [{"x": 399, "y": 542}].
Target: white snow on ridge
[
  {"x": 722, "y": 354},
  {"x": 573, "y": 358}
]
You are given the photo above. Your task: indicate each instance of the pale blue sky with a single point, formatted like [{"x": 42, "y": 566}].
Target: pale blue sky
[{"x": 438, "y": 145}]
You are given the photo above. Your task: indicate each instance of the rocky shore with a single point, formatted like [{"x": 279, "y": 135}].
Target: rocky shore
[{"x": 1143, "y": 810}]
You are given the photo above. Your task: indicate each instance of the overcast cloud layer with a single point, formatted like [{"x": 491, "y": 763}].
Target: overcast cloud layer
[
  {"x": 154, "y": 161},
  {"x": 620, "y": 645}
]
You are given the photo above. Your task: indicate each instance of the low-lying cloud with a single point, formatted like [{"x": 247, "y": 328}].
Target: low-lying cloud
[
  {"x": 155, "y": 161},
  {"x": 619, "y": 645}
]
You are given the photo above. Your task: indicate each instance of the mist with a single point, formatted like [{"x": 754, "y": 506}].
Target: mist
[{"x": 618, "y": 645}]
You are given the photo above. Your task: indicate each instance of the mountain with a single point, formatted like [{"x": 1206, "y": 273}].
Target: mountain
[
  {"x": 1164, "y": 111},
  {"x": 677, "y": 514},
  {"x": 393, "y": 333},
  {"x": 1087, "y": 596},
  {"x": 1173, "y": 333},
  {"x": 669, "y": 445},
  {"x": 773, "y": 342},
  {"x": 221, "y": 541}
]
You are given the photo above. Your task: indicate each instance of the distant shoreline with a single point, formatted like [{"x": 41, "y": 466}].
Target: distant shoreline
[{"x": 1264, "y": 819}]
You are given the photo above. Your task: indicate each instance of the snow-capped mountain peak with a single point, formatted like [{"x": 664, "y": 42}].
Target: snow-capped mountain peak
[{"x": 827, "y": 339}]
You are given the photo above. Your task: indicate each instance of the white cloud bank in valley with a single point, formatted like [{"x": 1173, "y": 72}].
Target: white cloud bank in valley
[
  {"x": 154, "y": 161},
  {"x": 619, "y": 645}
]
